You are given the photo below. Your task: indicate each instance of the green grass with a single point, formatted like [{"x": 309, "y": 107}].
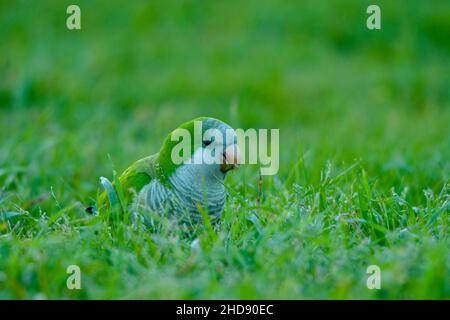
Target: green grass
[{"x": 365, "y": 147}]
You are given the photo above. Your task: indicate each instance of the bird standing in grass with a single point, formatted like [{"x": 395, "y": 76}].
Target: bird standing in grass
[{"x": 160, "y": 184}]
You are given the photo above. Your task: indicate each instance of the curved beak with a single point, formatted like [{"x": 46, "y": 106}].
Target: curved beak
[{"x": 231, "y": 158}]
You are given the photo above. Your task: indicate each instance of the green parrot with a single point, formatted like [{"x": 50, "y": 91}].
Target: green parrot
[{"x": 159, "y": 183}]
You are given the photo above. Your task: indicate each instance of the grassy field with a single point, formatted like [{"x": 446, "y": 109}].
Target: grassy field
[{"x": 364, "y": 146}]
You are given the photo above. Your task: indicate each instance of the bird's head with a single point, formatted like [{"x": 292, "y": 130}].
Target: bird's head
[{"x": 207, "y": 144}]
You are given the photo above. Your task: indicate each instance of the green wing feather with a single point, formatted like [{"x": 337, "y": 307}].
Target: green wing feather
[{"x": 133, "y": 179}]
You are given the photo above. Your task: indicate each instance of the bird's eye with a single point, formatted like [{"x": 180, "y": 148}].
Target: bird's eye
[{"x": 207, "y": 142}]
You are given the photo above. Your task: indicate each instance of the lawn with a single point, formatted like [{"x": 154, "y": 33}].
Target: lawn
[{"x": 364, "y": 147}]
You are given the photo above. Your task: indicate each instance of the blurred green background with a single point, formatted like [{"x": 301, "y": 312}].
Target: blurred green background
[{"x": 75, "y": 105}]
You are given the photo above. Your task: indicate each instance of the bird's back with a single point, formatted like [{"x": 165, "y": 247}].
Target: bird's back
[{"x": 133, "y": 179}]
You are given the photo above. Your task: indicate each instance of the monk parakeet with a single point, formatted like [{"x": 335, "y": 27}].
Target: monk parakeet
[{"x": 160, "y": 184}]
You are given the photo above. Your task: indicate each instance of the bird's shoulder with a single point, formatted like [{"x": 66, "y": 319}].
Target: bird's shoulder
[{"x": 140, "y": 172}]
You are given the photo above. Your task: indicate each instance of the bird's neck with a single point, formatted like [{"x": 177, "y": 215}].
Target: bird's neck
[{"x": 200, "y": 185}]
